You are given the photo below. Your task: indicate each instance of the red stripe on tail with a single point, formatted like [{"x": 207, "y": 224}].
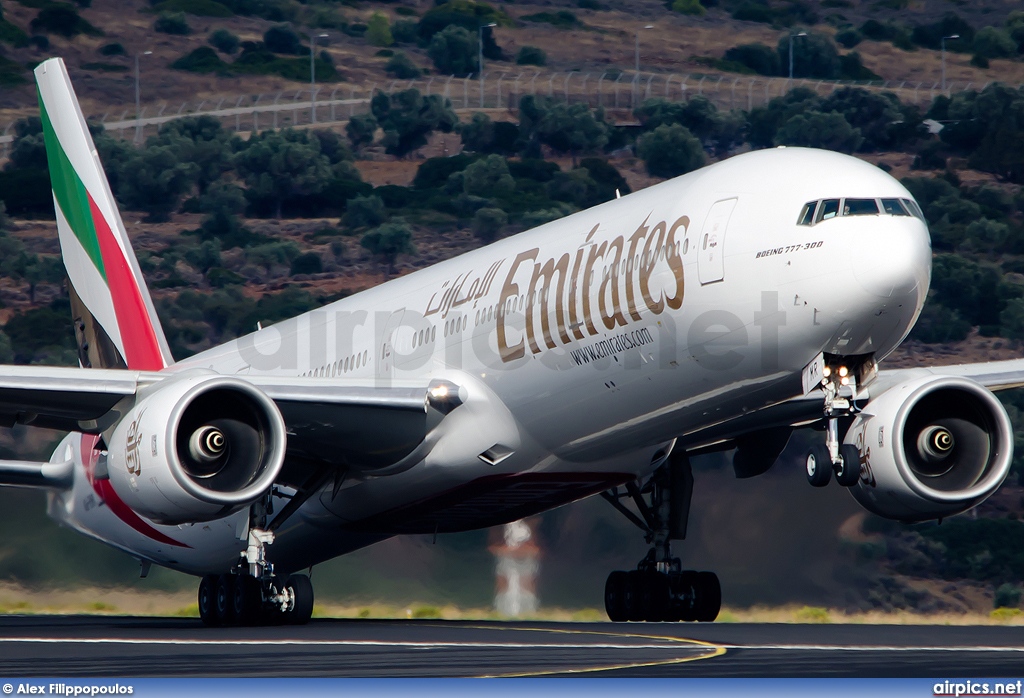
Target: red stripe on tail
[{"x": 141, "y": 346}]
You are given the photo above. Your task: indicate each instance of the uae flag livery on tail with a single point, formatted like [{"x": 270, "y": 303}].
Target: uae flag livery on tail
[{"x": 116, "y": 325}]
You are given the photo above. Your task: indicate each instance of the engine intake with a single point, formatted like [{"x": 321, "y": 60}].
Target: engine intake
[
  {"x": 196, "y": 448},
  {"x": 931, "y": 447}
]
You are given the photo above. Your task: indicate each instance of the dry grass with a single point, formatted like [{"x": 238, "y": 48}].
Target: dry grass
[{"x": 18, "y": 600}]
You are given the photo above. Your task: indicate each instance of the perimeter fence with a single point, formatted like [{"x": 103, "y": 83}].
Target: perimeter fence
[{"x": 618, "y": 92}]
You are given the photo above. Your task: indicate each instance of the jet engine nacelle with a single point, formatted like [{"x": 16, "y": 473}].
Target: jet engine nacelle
[
  {"x": 930, "y": 447},
  {"x": 196, "y": 448}
]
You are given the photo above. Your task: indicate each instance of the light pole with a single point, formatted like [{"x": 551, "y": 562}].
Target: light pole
[
  {"x": 943, "y": 43},
  {"x": 637, "y": 51},
  {"x": 480, "y": 58},
  {"x": 791, "y": 37},
  {"x": 138, "y": 115},
  {"x": 313, "y": 40}
]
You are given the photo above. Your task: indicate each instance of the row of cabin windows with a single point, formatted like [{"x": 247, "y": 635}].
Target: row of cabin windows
[
  {"x": 815, "y": 212},
  {"x": 340, "y": 367}
]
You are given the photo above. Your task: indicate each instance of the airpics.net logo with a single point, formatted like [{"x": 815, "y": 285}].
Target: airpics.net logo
[{"x": 968, "y": 689}]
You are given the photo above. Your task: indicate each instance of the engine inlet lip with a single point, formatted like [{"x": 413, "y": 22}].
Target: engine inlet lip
[
  {"x": 997, "y": 470},
  {"x": 274, "y": 457}
]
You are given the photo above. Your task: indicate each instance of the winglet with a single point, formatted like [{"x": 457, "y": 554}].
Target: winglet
[{"x": 115, "y": 322}]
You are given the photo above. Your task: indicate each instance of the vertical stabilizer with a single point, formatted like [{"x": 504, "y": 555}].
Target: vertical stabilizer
[{"x": 115, "y": 322}]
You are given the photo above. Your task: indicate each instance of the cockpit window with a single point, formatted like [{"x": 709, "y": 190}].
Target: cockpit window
[
  {"x": 807, "y": 215},
  {"x": 894, "y": 208},
  {"x": 829, "y": 208},
  {"x": 860, "y": 207},
  {"x": 913, "y": 207}
]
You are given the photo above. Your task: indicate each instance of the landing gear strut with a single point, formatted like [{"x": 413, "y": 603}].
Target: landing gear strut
[
  {"x": 833, "y": 456},
  {"x": 251, "y": 594},
  {"x": 659, "y": 589}
]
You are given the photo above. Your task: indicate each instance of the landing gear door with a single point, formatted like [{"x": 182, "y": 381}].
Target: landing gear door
[{"x": 711, "y": 245}]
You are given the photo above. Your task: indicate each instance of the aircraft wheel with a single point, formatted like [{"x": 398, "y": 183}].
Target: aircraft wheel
[
  {"x": 819, "y": 465},
  {"x": 848, "y": 470},
  {"x": 688, "y": 592},
  {"x": 615, "y": 596},
  {"x": 247, "y": 601},
  {"x": 208, "y": 600},
  {"x": 660, "y": 597},
  {"x": 225, "y": 599},
  {"x": 634, "y": 591},
  {"x": 709, "y": 596},
  {"x": 302, "y": 611}
]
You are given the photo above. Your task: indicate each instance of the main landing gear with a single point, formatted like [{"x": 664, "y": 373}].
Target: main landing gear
[
  {"x": 251, "y": 594},
  {"x": 833, "y": 456},
  {"x": 659, "y": 589}
]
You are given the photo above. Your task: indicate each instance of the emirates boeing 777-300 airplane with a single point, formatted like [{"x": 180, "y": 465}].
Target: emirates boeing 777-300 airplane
[{"x": 593, "y": 355}]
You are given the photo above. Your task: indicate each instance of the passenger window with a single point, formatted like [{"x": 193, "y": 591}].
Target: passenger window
[
  {"x": 860, "y": 207},
  {"x": 894, "y": 208},
  {"x": 828, "y": 209},
  {"x": 807, "y": 215}
]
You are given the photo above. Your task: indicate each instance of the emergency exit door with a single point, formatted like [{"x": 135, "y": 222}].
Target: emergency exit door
[{"x": 711, "y": 245}]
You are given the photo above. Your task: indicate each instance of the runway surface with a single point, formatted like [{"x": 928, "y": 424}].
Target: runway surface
[{"x": 79, "y": 646}]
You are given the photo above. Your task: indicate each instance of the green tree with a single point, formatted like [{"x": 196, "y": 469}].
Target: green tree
[
  {"x": 378, "y": 31},
  {"x": 278, "y": 165},
  {"x": 365, "y": 212},
  {"x": 283, "y": 39},
  {"x": 307, "y": 263},
  {"x": 688, "y": 7},
  {"x": 758, "y": 57},
  {"x": 488, "y": 222},
  {"x": 814, "y": 56},
  {"x": 531, "y": 55},
  {"x": 224, "y": 41},
  {"x": 361, "y": 129},
  {"x": 938, "y": 324},
  {"x": 488, "y": 178},
  {"x": 401, "y": 67},
  {"x": 885, "y": 123},
  {"x": 172, "y": 23},
  {"x": 572, "y": 129},
  {"x": 670, "y": 151},
  {"x": 389, "y": 241},
  {"x": 994, "y": 42},
  {"x": 408, "y": 117},
  {"x": 454, "y": 52},
  {"x": 819, "y": 130},
  {"x": 154, "y": 180},
  {"x": 200, "y": 141},
  {"x": 5, "y": 220},
  {"x": 223, "y": 202}
]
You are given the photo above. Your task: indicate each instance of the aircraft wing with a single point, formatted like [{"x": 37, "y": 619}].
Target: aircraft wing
[
  {"x": 328, "y": 422},
  {"x": 994, "y": 375}
]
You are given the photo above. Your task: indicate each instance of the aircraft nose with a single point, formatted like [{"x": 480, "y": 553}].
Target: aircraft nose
[{"x": 894, "y": 259}]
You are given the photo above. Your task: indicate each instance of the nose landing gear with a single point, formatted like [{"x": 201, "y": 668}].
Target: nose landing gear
[
  {"x": 659, "y": 589},
  {"x": 833, "y": 456}
]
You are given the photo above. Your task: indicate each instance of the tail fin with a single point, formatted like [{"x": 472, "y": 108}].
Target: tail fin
[{"x": 115, "y": 322}]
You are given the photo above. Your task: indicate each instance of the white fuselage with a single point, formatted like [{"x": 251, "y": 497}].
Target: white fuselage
[{"x": 586, "y": 348}]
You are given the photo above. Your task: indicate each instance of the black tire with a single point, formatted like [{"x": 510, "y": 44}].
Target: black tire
[
  {"x": 687, "y": 595},
  {"x": 247, "y": 601},
  {"x": 208, "y": 600},
  {"x": 818, "y": 465},
  {"x": 660, "y": 599},
  {"x": 225, "y": 599},
  {"x": 303, "y": 609},
  {"x": 709, "y": 597},
  {"x": 615, "y": 597},
  {"x": 633, "y": 597},
  {"x": 848, "y": 470}
]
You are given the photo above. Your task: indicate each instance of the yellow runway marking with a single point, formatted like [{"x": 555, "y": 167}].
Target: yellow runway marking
[{"x": 713, "y": 650}]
